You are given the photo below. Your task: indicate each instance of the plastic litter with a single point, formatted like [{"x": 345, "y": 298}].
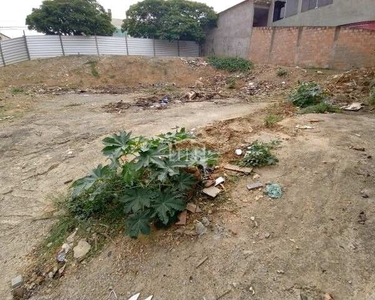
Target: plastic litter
[{"x": 274, "y": 191}]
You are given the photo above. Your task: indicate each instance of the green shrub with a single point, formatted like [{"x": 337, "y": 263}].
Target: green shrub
[
  {"x": 372, "y": 96},
  {"x": 147, "y": 180},
  {"x": 307, "y": 94},
  {"x": 258, "y": 154},
  {"x": 281, "y": 72},
  {"x": 320, "y": 108},
  {"x": 271, "y": 119},
  {"x": 231, "y": 64},
  {"x": 94, "y": 71},
  {"x": 16, "y": 90}
]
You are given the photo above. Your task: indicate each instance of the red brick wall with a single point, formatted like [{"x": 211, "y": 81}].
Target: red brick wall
[
  {"x": 261, "y": 43},
  {"x": 319, "y": 47},
  {"x": 284, "y": 45}
]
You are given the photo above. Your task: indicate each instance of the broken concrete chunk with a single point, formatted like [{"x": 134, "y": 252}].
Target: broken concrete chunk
[
  {"x": 356, "y": 106},
  {"x": 200, "y": 228},
  {"x": 17, "y": 281},
  {"x": 182, "y": 218},
  {"x": 81, "y": 249},
  {"x": 219, "y": 180},
  {"x": 193, "y": 208},
  {"x": 254, "y": 186},
  {"x": 70, "y": 238},
  {"x": 211, "y": 191},
  {"x": 234, "y": 168}
]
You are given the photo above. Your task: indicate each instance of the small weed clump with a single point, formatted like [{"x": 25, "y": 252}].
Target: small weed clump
[
  {"x": 94, "y": 71},
  {"x": 320, "y": 108},
  {"x": 231, "y": 64},
  {"x": 231, "y": 83},
  {"x": 16, "y": 90},
  {"x": 258, "y": 154},
  {"x": 281, "y": 72},
  {"x": 271, "y": 119},
  {"x": 311, "y": 98},
  {"x": 147, "y": 181},
  {"x": 372, "y": 96}
]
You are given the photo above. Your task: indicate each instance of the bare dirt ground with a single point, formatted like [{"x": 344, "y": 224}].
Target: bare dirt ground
[{"x": 310, "y": 243}]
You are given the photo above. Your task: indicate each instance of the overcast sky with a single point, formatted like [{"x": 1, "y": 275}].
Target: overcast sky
[{"x": 14, "y": 12}]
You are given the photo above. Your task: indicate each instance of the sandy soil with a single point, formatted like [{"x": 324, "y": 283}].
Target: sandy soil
[
  {"x": 303, "y": 246},
  {"x": 58, "y": 139}
]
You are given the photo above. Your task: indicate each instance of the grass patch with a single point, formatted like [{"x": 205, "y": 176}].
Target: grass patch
[
  {"x": 271, "y": 119},
  {"x": 320, "y": 108},
  {"x": 16, "y": 90},
  {"x": 230, "y": 64},
  {"x": 281, "y": 72},
  {"x": 93, "y": 64},
  {"x": 372, "y": 96},
  {"x": 258, "y": 154}
]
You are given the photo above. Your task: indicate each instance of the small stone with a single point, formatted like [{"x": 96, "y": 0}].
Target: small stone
[
  {"x": 327, "y": 297},
  {"x": 17, "y": 281},
  {"x": 365, "y": 194},
  {"x": 238, "y": 152},
  {"x": 267, "y": 235},
  {"x": 200, "y": 229},
  {"x": 182, "y": 218},
  {"x": 280, "y": 272},
  {"x": 205, "y": 221},
  {"x": 70, "y": 238},
  {"x": 252, "y": 218},
  {"x": 81, "y": 249},
  {"x": 254, "y": 186},
  {"x": 193, "y": 208},
  {"x": 211, "y": 191},
  {"x": 256, "y": 176}
]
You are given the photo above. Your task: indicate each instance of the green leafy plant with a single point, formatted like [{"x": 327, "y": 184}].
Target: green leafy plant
[
  {"x": 281, "y": 72},
  {"x": 94, "y": 71},
  {"x": 231, "y": 64},
  {"x": 320, "y": 108},
  {"x": 258, "y": 154},
  {"x": 372, "y": 96},
  {"x": 148, "y": 179},
  {"x": 16, "y": 90},
  {"x": 307, "y": 94},
  {"x": 271, "y": 119}
]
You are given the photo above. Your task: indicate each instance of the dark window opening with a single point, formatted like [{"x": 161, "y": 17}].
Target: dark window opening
[
  {"x": 260, "y": 17},
  {"x": 279, "y": 11}
]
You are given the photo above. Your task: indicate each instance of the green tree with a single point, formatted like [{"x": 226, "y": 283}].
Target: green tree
[
  {"x": 169, "y": 20},
  {"x": 70, "y": 17}
]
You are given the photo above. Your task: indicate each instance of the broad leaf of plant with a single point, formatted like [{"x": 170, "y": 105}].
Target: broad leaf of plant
[
  {"x": 166, "y": 205},
  {"x": 170, "y": 167},
  {"x": 85, "y": 183},
  {"x": 137, "y": 199},
  {"x": 149, "y": 156},
  {"x": 117, "y": 145},
  {"x": 202, "y": 157},
  {"x": 130, "y": 173},
  {"x": 138, "y": 223},
  {"x": 184, "y": 181}
]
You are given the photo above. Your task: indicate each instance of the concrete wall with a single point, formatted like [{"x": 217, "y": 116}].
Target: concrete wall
[
  {"x": 233, "y": 33},
  {"x": 314, "y": 47},
  {"x": 341, "y": 12}
]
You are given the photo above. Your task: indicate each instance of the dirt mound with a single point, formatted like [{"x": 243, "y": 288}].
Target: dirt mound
[
  {"x": 117, "y": 71},
  {"x": 352, "y": 85}
]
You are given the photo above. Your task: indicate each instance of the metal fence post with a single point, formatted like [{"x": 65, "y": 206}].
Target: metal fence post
[
  {"x": 62, "y": 46},
  {"x": 2, "y": 55},
  {"x": 97, "y": 46},
  {"x": 126, "y": 43},
  {"x": 27, "y": 47},
  {"x": 178, "y": 47},
  {"x": 153, "y": 44}
]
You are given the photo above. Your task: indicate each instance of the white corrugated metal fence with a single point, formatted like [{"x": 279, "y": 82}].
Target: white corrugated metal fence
[{"x": 44, "y": 46}]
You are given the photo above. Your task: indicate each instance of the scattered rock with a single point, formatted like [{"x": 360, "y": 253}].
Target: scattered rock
[
  {"x": 193, "y": 208},
  {"x": 365, "y": 194},
  {"x": 362, "y": 218},
  {"x": 81, "y": 249},
  {"x": 280, "y": 272},
  {"x": 267, "y": 235},
  {"x": 211, "y": 191},
  {"x": 327, "y": 297},
  {"x": 17, "y": 281},
  {"x": 304, "y": 127},
  {"x": 182, "y": 217},
  {"x": 205, "y": 221},
  {"x": 246, "y": 171},
  {"x": 256, "y": 176},
  {"x": 200, "y": 229},
  {"x": 362, "y": 149},
  {"x": 70, "y": 238},
  {"x": 254, "y": 186}
]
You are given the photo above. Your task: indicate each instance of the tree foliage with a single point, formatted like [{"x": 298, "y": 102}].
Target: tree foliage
[
  {"x": 70, "y": 17},
  {"x": 169, "y": 20}
]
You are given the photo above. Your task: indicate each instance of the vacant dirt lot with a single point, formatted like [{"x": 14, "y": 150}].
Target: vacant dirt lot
[{"x": 318, "y": 239}]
